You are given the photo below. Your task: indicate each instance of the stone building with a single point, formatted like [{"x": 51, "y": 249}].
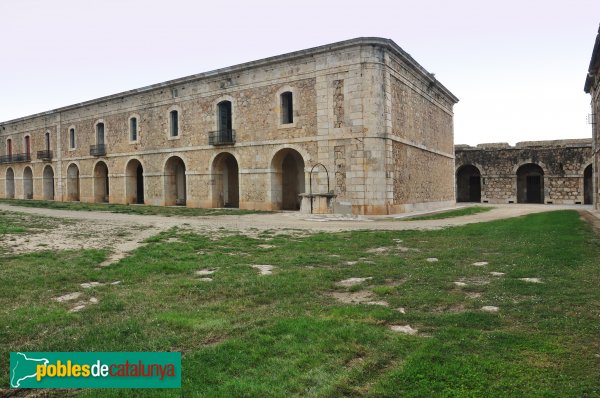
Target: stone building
[
  {"x": 359, "y": 122},
  {"x": 558, "y": 172},
  {"x": 592, "y": 86}
]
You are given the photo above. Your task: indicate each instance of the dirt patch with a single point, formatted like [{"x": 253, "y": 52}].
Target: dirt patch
[
  {"x": 406, "y": 329},
  {"x": 493, "y": 273},
  {"x": 68, "y": 297},
  {"x": 264, "y": 269},
  {"x": 531, "y": 280},
  {"x": 591, "y": 219},
  {"x": 378, "y": 250},
  {"x": 480, "y": 263},
  {"x": 360, "y": 297},
  {"x": 204, "y": 272},
  {"x": 490, "y": 308},
  {"x": 432, "y": 260},
  {"x": 353, "y": 281}
]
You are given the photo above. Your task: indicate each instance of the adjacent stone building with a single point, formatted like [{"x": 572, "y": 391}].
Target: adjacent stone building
[
  {"x": 592, "y": 86},
  {"x": 552, "y": 172},
  {"x": 359, "y": 122}
]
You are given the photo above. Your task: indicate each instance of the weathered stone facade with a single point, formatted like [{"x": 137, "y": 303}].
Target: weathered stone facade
[
  {"x": 592, "y": 87},
  {"x": 552, "y": 172},
  {"x": 249, "y": 135}
]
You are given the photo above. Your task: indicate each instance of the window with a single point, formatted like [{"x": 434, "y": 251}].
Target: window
[
  {"x": 133, "y": 129},
  {"x": 100, "y": 134},
  {"x": 174, "y": 123},
  {"x": 224, "y": 116},
  {"x": 47, "y": 141},
  {"x": 72, "y": 138},
  {"x": 9, "y": 147},
  {"x": 287, "y": 108}
]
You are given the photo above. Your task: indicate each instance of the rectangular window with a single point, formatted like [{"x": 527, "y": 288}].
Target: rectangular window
[
  {"x": 72, "y": 138},
  {"x": 100, "y": 134},
  {"x": 287, "y": 108},
  {"x": 27, "y": 146},
  {"x": 133, "y": 130},
  {"x": 9, "y": 145},
  {"x": 224, "y": 117},
  {"x": 174, "y": 123}
]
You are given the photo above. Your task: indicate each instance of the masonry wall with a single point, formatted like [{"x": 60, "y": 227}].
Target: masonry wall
[
  {"x": 563, "y": 164},
  {"x": 422, "y": 139},
  {"x": 340, "y": 134}
]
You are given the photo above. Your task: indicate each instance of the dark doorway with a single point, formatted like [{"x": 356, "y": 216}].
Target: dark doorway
[
  {"x": 288, "y": 179},
  {"x": 530, "y": 184},
  {"x": 468, "y": 184},
  {"x": 588, "y": 186},
  {"x": 226, "y": 187},
  {"x": 140, "y": 184}
]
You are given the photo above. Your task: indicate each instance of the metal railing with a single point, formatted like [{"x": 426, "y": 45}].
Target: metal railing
[
  {"x": 221, "y": 137},
  {"x": 44, "y": 155},
  {"x": 98, "y": 150},
  {"x": 16, "y": 158}
]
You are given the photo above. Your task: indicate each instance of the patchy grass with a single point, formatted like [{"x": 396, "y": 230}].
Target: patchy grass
[
  {"x": 19, "y": 223},
  {"x": 128, "y": 209},
  {"x": 465, "y": 211},
  {"x": 284, "y": 335}
]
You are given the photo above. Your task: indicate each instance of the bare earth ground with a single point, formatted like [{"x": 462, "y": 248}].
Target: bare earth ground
[{"x": 122, "y": 233}]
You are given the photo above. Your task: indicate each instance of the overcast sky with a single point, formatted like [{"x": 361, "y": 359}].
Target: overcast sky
[{"x": 518, "y": 67}]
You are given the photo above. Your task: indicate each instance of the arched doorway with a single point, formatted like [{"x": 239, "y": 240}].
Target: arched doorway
[
  {"x": 73, "y": 183},
  {"x": 588, "y": 186},
  {"x": 27, "y": 183},
  {"x": 48, "y": 183},
  {"x": 101, "y": 183},
  {"x": 468, "y": 184},
  {"x": 134, "y": 182},
  {"x": 10, "y": 184},
  {"x": 530, "y": 184},
  {"x": 175, "y": 182},
  {"x": 287, "y": 179},
  {"x": 225, "y": 174}
]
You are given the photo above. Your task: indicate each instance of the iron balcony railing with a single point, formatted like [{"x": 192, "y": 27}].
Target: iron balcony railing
[
  {"x": 44, "y": 155},
  {"x": 98, "y": 150},
  {"x": 15, "y": 158},
  {"x": 221, "y": 137}
]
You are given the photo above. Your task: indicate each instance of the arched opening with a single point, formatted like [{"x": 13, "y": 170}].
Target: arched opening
[
  {"x": 48, "y": 183},
  {"x": 175, "y": 182},
  {"x": 588, "y": 186},
  {"x": 225, "y": 174},
  {"x": 134, "y": 182},
  {"x": 101, "y": 185},
  {"x": 530, "y": 184},
  {"x": 287, "y": 179},
  {"x": 468, "y": 184},
  {"x": 73, "y": 183},
  {"x": 10, "y": 184},
  {"x": 27, "y": 183}
]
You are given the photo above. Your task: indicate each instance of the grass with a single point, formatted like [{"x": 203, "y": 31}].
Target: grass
[
  {"x": 465, "y": 211},
  {"x": 283, "y": 335},
  {"x": 166, "y": 211}
]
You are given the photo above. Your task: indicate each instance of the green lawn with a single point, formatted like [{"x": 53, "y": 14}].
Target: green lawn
[
  {"x": 465, "y": 211},
  {"x": 284, "y": 335},
  {"x": 167, "y": 211}
]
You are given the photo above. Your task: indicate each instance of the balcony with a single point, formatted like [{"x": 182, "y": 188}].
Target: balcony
[
  {"x": 221, "y": 137},
  {"x": 46, "y": 155},
  {"x": 15, "y": 158},
  {"x": 98, "y": 150}
]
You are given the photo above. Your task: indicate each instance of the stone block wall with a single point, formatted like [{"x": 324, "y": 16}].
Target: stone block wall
[
  {"x": 341, "y": 136},
  {"x": 561, "y": 165}
]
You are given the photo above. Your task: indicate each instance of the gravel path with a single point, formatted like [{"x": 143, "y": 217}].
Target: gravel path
[{"x": 123, "y": 233}]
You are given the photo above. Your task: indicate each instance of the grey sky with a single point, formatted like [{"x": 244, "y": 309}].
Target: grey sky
[{"x": 518, "y": 67}]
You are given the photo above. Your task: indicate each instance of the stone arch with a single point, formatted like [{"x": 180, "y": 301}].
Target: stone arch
[
  {"x": 287, "y": 179},
  {"x": 101, "y": 183},
  {"x": 48, "y": 183},
  {"x": 468, "y": 184},
  {"x": 530, "y": 183},
  {"x": 73, "y": 194},
  {"x": 175, "y": 190},
  {"x": 226, "y": 181},
  {"x": 10, "y": 183},
  {"x": 27, "y": 183},
  {"x": 134, "y": 182},
  {"x": 588, "y": 185}
]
